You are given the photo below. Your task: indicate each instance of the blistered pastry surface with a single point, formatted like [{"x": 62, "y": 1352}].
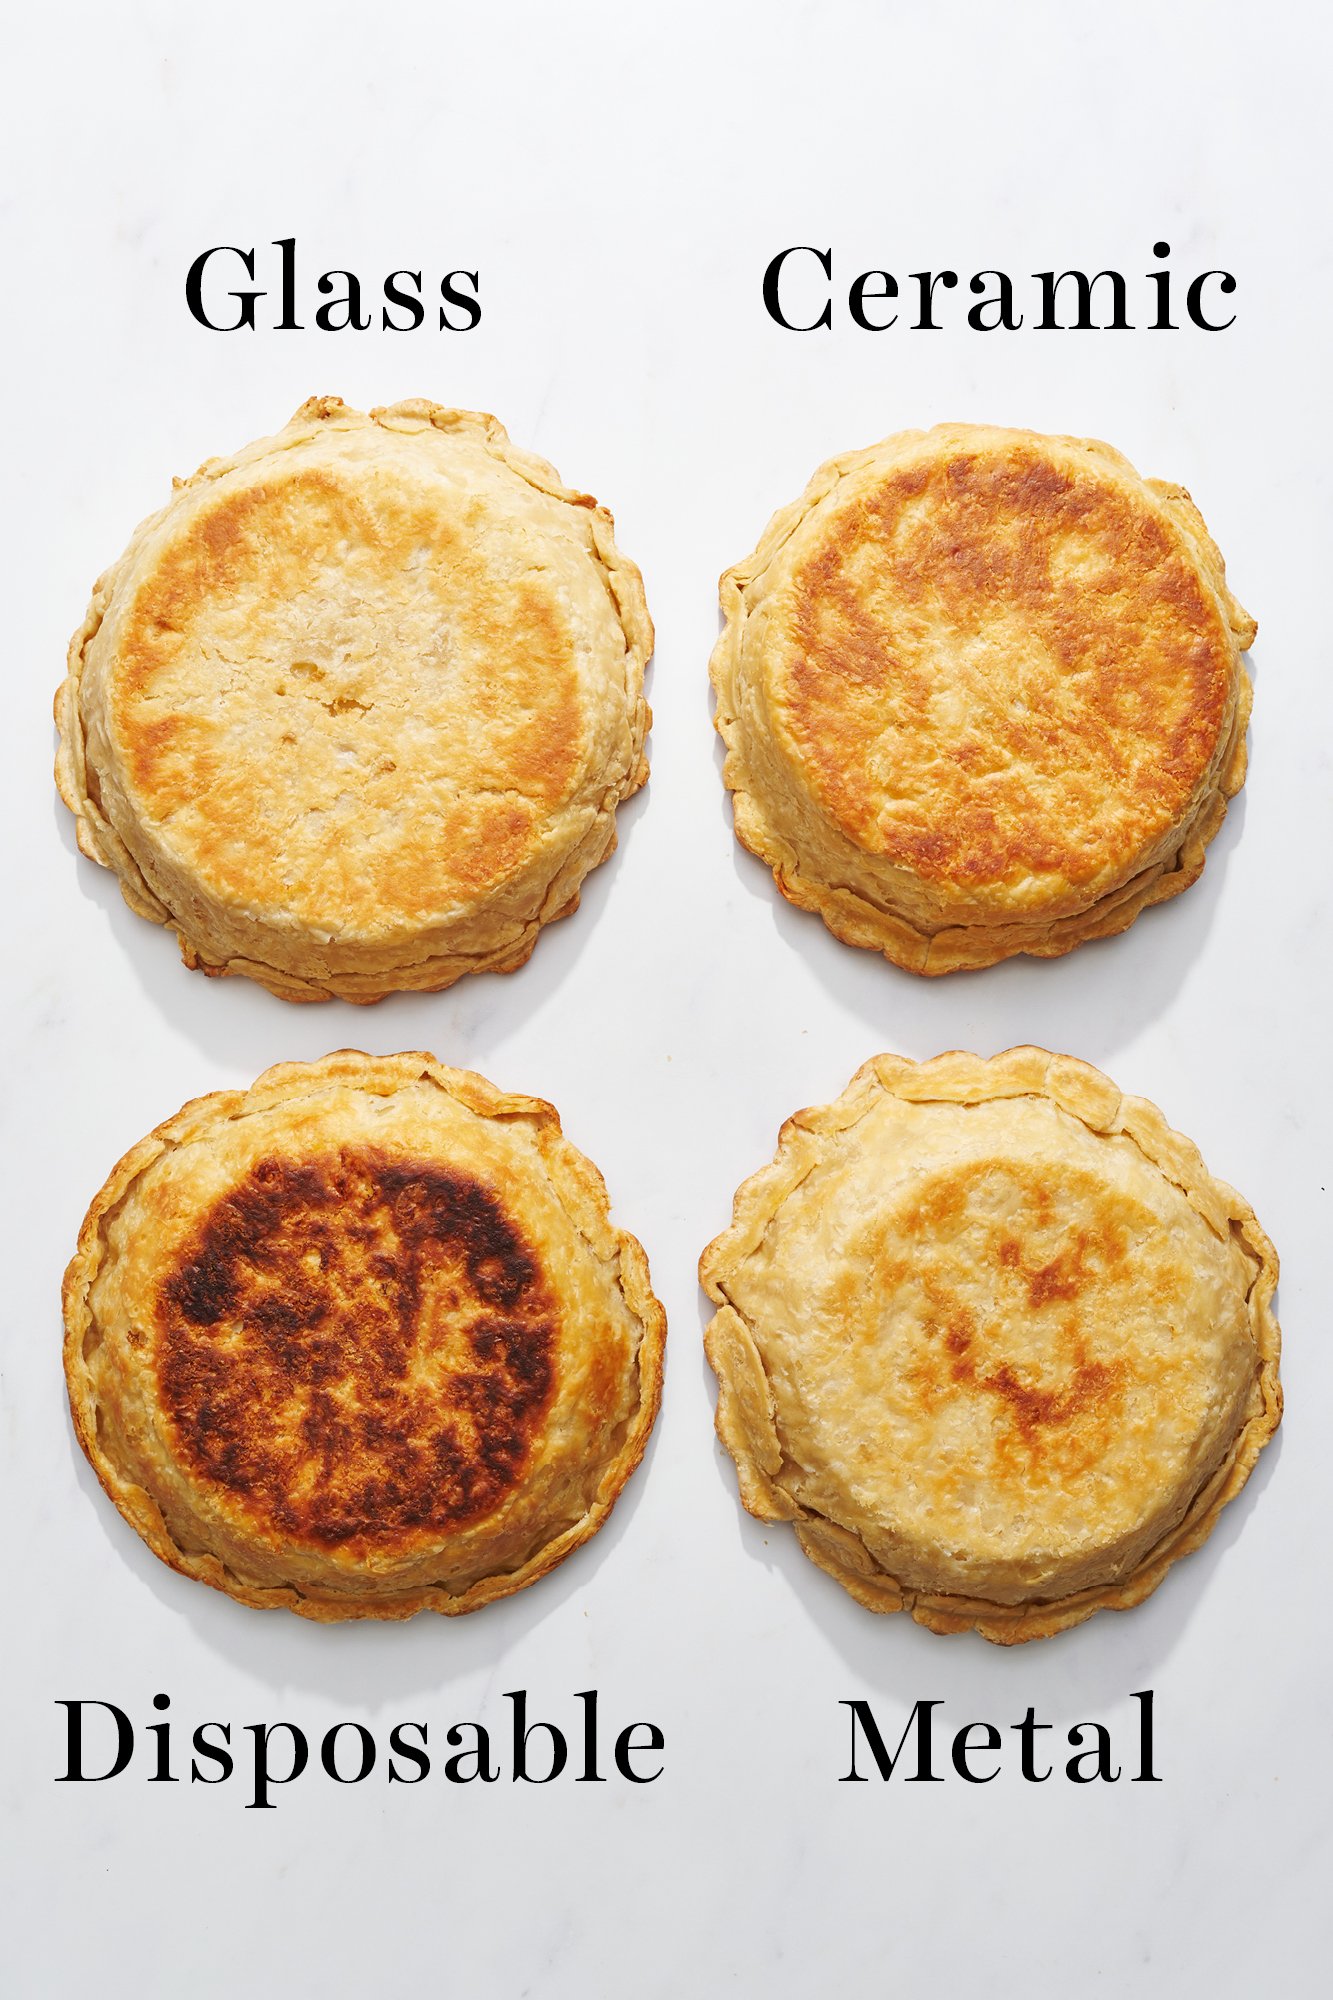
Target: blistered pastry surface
[
  {"x": 361, "y": 1340},
  {"x": 354, "y": 711},
  {"x": 993, "y": 1339},
  {"x": 981, "y": 693}
]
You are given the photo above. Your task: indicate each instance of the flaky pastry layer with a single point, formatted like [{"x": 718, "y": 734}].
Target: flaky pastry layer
[
  {"x": 982, "y": 694},
  {"x": 354, "y": 711},
  {"x": 361, "y": 1341},
  {"x": 994, "y": 1340}
]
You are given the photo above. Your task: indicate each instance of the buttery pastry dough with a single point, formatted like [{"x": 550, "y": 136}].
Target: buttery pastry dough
[
  {"x": 353, "y": 713},
  {"x": 982, "y": 694},
  {"x": 361, "y": 1341},
  {"x": 994, "y": 1340}
]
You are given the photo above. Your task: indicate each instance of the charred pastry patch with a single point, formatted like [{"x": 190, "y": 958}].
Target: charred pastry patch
[
  {"x": 358, "y": 1345},
  {"x": 361, "y": 1341}
]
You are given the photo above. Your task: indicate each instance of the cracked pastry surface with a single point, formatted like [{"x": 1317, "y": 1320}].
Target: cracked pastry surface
[
  {"x": 361, "y": 1341},
  {"x": 982, "y": 694},
  {"x": 993, "y": 1339},
  {"x": 354, "y": 711}
]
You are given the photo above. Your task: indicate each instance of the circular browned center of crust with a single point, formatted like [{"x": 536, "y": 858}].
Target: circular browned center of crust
[
  {"x": 997, "y": 665},
  {"x": 311, "y": 663},
  {"x": 1047, "y": 1327},
  {"x": 1024, "y": 1360},
  {"x": 357, "y": 1347}
]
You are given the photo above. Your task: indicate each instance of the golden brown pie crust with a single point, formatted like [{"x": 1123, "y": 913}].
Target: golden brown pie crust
[
  {"x": 354, "y": 711},
  {"x": 982, "y": 694},
  {"x": 361, "y": 1341},
  {"x": 994, "y": 1340}
]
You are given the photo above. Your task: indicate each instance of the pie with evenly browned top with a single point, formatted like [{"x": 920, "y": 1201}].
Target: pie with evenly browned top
[
  {"x": 361, "y": 1341},
  {"x": 354, "y": 711},
  {"x": 994, "y": 1340},
  {"x": 982, "y": 694}
]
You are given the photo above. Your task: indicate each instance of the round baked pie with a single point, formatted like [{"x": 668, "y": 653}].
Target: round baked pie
[
  {"x": 994, "y": 1340},
  {"x": 361, "y": 1341},
  {"x": 354, "y": 711},
  {"x": 982, "y": 694}
]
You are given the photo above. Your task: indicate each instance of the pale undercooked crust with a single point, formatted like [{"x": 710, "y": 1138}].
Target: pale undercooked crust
[
  {"x": 982, "y": 694},
  {"x": 354, "y": 711},
  {"x": 1043, "y": 1407},
  {"x": 361, "y": 1341}
]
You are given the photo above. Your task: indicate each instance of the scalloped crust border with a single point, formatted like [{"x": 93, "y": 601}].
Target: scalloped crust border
[
  {"x": 746, "y": 1420},
  {"x": 849, "y": 912},
  {"x": 99, "y": 841},
  {"x": 583, "y": 1196}
]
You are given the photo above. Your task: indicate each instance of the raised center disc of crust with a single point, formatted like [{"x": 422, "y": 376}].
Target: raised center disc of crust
[
  {"x": 1014, "y": 1372},
  {"x": 998, "y": 667},
  {"x": 355, "y": 700},
  {"x": 356, "y": 1349}
]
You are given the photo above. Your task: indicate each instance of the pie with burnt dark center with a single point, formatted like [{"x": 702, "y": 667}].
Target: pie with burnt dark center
[{"x": 361, "y": 1340}]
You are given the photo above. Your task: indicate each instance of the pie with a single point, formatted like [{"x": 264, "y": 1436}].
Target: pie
[
  {"x": 361, "y": 1341},
  {"x": 354, "y": 711},
  {"x": 994, "y": 1340},
  {"x": 982, "y": 694}
]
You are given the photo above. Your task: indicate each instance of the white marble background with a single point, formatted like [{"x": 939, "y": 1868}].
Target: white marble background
[{"x": 620, "y": 176}]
